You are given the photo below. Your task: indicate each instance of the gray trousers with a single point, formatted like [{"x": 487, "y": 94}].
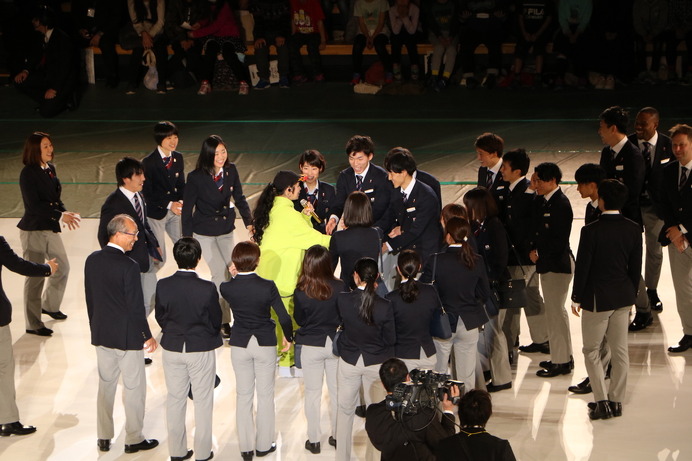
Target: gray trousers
[
  {"x": 681, "y": 270},
  {"x": 182, "y": 370},
  {"x": 111, "y": 364},
  {"x": 654, "y": 252},
  {"x": 216, "y": 251},
  {"x": 169, "y": 224},
  {"x": 498, "y": 354},
  {"x": 423, "y": 362},
  {"x": 555, "y": 288},
  {"x": 149, "y": 280},
  {"x": 350, "y": 378},
  {"x": 319, "y": 362},
  {"x": 255, "y": 368},
  {"x": 611, "y": 325},
  {"x": 464, "y": 343},
  {"x": 441, "y": 53},
  {"x": 534, "y": 310},
  {"x": 8, "y": 405},
  {"x": 39, "y": 246}
]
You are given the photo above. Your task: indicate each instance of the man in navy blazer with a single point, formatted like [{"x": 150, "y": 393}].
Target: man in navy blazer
[
  {"x": 489, "y": 147},
  {"x": 609, "y": 255},
  {"x": 318, "y": 193},
  {"x": 120, "y": 331}
]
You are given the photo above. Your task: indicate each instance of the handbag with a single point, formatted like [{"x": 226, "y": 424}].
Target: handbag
[
  {"x": 335, "y": 342},
  {"x": 440, "y": 327},
  {"x": 512, "y": 292},
  {"x": 151, "y": 79}
]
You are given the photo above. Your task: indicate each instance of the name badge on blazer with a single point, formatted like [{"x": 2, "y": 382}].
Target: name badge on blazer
[
  {"x": 369, "y": 191},
  {"x": 500, "y": 187},
  {"x": 664, "y": 161},
  {"x": 620, "y": 167},
  {"x": 546, "y": 215},
  {"x": 411, "y": 209},
  {"x": 231, "y": 205}
]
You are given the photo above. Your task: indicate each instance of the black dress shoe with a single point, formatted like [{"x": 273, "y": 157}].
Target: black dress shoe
[
  {"x": 332, "y": 441},
  {"x": 266, "y": 452},
  {"x": 500, "y": 387},
  {"x": 104, "y": 444},
  {"x": 615, "y": 408},
  {"x": 543, "y": 348},
  {"x": 641, "y": 321},
  {"x": 226, "y": 330},
  {"x": 54, "y": 315},
  {"x": 313, "y": 448},
  {"x": 583, "y": 387},
  {"x": 684, "y": 344},
  {"x": 654, "y": 300},
  {"x": 147, "y": 361},
  {"x": 15, "y": 428},
  {"x": 360, "y": 411},
  {"x": 548, "y": 363},
  {"x": 182, "y": 458},
  {"x": 143, "y": 445},
  {"x": 247, "y": 455},
  {"x": 600, "y": 410},
  {"x": 41, "y": 332},
  {"x": 555, "y": 369}
]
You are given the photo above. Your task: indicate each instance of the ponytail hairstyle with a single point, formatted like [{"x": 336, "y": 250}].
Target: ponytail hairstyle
[
  {"x": 315, "y": 273},
  {"x": 459, "y": 229},
  {"x": 282, "y": 181},
  {"x": 367, "y": 271},
  {"x": 409, "y": 264}
]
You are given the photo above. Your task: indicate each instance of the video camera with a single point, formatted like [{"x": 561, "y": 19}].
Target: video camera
[{"x": 425, "y": 390}]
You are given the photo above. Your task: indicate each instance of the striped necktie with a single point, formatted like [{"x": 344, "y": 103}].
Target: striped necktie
[{"x": 138, "y": 208}]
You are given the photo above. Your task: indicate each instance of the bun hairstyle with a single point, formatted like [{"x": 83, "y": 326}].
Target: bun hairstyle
[
  {"x": 459, "y": 229},
  {"x": 409, "y": 264},
  {"x": 282, "y": 181},
  {"x": 367, "y": 271}
]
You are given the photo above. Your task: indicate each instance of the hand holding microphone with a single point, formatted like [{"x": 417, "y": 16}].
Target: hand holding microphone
[{"x": 310, "y": 210}]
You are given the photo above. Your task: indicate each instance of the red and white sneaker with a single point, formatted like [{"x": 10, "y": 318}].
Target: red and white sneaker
[
  {"x": 244, "y": 89},
  {"x": 204, "y": 88}
]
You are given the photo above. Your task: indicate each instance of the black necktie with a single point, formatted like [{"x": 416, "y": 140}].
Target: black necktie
[
  {"x": 647, "y": 155},
  {"x": 489, "y": 179},
  {"x": 359, "y": 182},
  {"x": 683, "y": 178},
  {"x": 404, "y": 196},
  {"x": 138, "y": 209}
]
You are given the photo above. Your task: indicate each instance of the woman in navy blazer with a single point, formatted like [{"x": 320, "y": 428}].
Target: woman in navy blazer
[
  {"x": 461, "y": 280},
  {"x": 212, "y": 193},
  {"x": 414, "y": 304},
  {"x": 367, "y": 340},
  {"x": 253, "y": 348},
  {"x": 315, "y": 311},
  {"x": 39, "y": 232}
]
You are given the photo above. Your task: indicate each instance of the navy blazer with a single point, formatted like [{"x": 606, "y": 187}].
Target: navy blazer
[
  {"x": 628, "y": 168},
  {"x": 591, "y": 214},
  {"x": 498, "y": 189},
  {"x": 491, "y": 238},
  {"x": 349, "y": 245},
  {"x": 413, "y": 321},
  {"x": 676, "y": 204},
  {"x": 516, "y": 215},
  {"x": 463, "y": 291},
  {"x": 662, "y": 155},
  {"x": 552, "y": 225},
  {"x": 419, "y": 218},
  {"x": 317, "y": 318},
  {"x": 477, "y": 445},
  {"x": 146, "y": 245},
  {"x": 114, "y": 300},
  {"x": 609, "y": 255},
  {"x": 376, "y": 186},
  {"x": 163, "y": 185},
  {"x": 41, "y": 195},
  {"x": 374, "y": 342},
  {"x": 56, "y": 59},
  {"x": 9, "y": 259},
  {"x": 432, "y": 182},
  {"x": 250, "y": 297},
  {"x": 325, "y": 196},
  {"x": 189, "y": 313},
  {"x": 208, "y": 211}
]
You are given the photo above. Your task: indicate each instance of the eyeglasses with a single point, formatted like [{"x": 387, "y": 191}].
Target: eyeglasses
[{"x": 134, "y": 234}]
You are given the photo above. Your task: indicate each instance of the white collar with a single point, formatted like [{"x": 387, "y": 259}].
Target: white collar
[
  {"x": 364, "y": 173},
  {"x": 115, "y": 245},
  {"x": 618, "y": 147},
  {"x": 548, "y": 196},
  {"x": 594, "y": 204},
  {"x": 162, "y": 153},
  {"x": 614, "y": 212},
  {"x": 496, "y": 168},
  {"x": 409, "y": 188},
  {"x": 652, "y": 141},
  {"x": 514, "y": 184},
  {"x": 128, "y": 193}
]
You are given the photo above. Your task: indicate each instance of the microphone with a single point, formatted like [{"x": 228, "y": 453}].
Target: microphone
[{"x": 312, "y": 213}]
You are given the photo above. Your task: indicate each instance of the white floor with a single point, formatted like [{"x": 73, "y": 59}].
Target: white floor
[{"x": 56, "y": 383}]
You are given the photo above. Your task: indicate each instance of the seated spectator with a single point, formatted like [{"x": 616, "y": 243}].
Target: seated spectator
[
  {"x": 180, "y": 15},
  {"x": 482, "y": 22},
  {"x": 372, "y": 32},
  {"x": 650, "y": 20},
  {"x": 307, "y": 28},
  {"x": 443, "y": 32},
  {"x": 680, "y": 14},
  {"x": 221, "y": 36},
  {"x": 403, "y": 17},
  {"x": 49, "y": 74},
  {"x": 570, "y": 47},
  {"x": 272, "y": 27},
  {"x": 344, "y": 14}
]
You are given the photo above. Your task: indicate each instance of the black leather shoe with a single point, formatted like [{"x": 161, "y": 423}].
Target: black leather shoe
[
  {"x": 500, "y": 387},
  {"x": 313, "y": 448},
  {"x": 684, "y": 344},
  {"x": 211, "y": 455},
  {"x": 41, "y": 332},
  {"x": 104, "y": 444},
  {"x": 54, "y": 315},
  {"x": 615, "y": 408},
  {"x": 143, "y": 445},
  {"x": 182, "y": 458},
  {"x": 548, "y": 363},
  {"x": 600, "y": 410},
  {"x": 555, "y": 369},
  {"x": 147, "y": 361},
  {"x": 583, "y": 387},
  {"x": 360, "y": 411},
  {"x": 332, "y": 441},
  {"x": 247, "y": 455},
  {"x": 641, "y": 321},
  {"x": 15, "y": 428},
  {"x": 226, "y": 330},
  {"x": 265, "y": 453},
  {"x": 654, "y": 301},
  {"x": 543, "y": 348}
]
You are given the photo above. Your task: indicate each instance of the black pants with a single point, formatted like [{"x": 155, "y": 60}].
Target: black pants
[
  {"x": 134, "y": 71},
  {"x": 282, "y": 55},
  {"x": 400, "y": 40},
  {"x": 312, "y": 41},
  {"x": 380, "y": 43},
  {"x": 488, "y": 32},
  {"x": 229, "y": 55},
  {"x": 35, "y": 87}
]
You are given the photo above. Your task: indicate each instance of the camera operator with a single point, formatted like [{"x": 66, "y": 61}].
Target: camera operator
[{"x": 407, "y": 437}]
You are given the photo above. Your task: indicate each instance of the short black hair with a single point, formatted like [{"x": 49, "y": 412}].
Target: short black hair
[
  {"x": 45, "y": 16},
  {"x": 613, "y": 193},
  {"x": 360, "y": 143},
  {"x": 164, "y": 129},
  {"x": 491, "y": 143},
  {"x": 617, "y": 116},
  {"x": 548, "y": 171},
  {"x": 518, "y": 160},
  {"x": 475, "y": 408},
  {"x": 187, "y": 253},
  {"x": 400, "y": 159},
  {"x": 589, "y": 172},
  {"x": 392, "y": 372},
  {"x": 246, "y": 256},
  {"x": 126, "y": 167},
  {"x": 314, "y": 158}
]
